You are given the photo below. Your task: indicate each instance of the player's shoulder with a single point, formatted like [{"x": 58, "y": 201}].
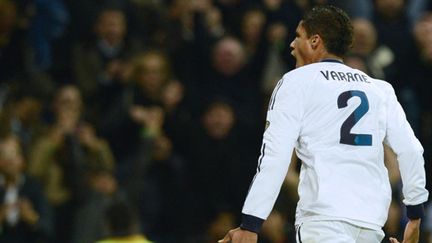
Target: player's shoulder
[
  {"x": 311, "y": 71},
  {"x": 383, "y": 85},
  {"x": 303, "y": 71},
  {"x": 300, "y": 76}
]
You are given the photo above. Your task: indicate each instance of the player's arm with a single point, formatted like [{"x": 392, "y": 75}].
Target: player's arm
[
  {"x": 283, "y": 128},
  {"x": 409, "y": 153},
  {"x": 278, "y": 143},
  {"x": 412, "y": 232}
]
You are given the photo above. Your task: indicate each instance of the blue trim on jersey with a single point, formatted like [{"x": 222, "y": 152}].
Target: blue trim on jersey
[
  {"x": 331, "y": 60},
  {"x": 259, "y": 165},
  {"x": 262, "y": 156},
  {"x": 272, "y": 102},
  {"x": 415, "y": 211},
  {"x": 251, "y": 223},
  {"x": 299, "y": 235}
]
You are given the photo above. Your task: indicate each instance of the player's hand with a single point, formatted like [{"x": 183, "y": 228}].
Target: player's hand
[
  {"x": 411, "y": 234},
  {"x": 239, "y": 236}
]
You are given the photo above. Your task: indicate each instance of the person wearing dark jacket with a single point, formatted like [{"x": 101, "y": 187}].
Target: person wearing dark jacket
[{"x": 25, "y": 215}]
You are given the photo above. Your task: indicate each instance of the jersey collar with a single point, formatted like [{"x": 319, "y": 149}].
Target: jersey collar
[{"x": 331, "y": 60}]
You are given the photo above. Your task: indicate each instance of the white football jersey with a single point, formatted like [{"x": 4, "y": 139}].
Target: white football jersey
[{"x": 337, "y": 119}]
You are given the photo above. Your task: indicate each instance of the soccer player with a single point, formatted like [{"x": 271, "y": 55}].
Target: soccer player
[{"x": 337, "y": 119}]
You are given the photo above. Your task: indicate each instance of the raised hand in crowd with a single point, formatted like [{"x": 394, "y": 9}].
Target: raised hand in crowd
[
  {"x": 27, "y": 212},
  {"x": 151, "y": 118}
]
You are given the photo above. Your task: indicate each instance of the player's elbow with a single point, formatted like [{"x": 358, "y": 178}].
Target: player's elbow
[{"x": 410, "y": 151}]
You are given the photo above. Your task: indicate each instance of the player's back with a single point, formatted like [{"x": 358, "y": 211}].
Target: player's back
[{"x": 341, "y": 145}]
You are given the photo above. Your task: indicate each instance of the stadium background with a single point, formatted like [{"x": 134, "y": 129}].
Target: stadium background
[{"x": 155, "y": 109}]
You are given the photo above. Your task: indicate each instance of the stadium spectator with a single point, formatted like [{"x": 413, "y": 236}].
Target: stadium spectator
[
  {"x": 46, "y": 25},
  {"x": 100, "y": 65},
  {"x": 226, "y": 72},
  {"x": 422, "y": 68},
  {"x": 253, "y": 29},
  {"x": 195, "y": 26},
  {"x": 416, "y": 9},
  {"x": 22, "y": 113},
  {"x": 178, "y": 115},
  {"x": 88, "y": 226},
  {"x": 258, "y": 45},
  {"x": 394, "y": 31},
  {"x": 145, "y": 103},
  {"x": 216, "y": 150},
  {"x": 25, "y": 215},
  {"x": 148, "y": 22},
  {"x": 164, "y": 218},
  {"x": 84, "y": 14},
  {"x": 13, "y": 44},
  {"x": 122, "y": 224},
  {"x": 61, "y": 157},
  {"x": 231, "y": 11},
  {"x": 276, "y": 64},
  {"x": 379, "y": 58},
  {"x": 136, "y": 113}
]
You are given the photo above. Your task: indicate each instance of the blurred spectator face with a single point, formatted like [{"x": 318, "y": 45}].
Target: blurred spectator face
[
  {"x": 179, "y": 7},
  {"x": 219, "y": 120},
  {"x": 389, "y": 9},
  {"x": 277, "y": 33},
  {"x": 103, "y": 182},
  {"x": 151, "y": 72},
  {"x": 68, "y": 99},
  {"x": 228, "y": 2},
  {"x": 229, "y": 56},
  {"x": 8, "y": 14},
  {"x": 28, "y": 109},
  {"x": 162, "y": 148},
  {"x": 423, "y": 36},
  {"x": 172, "y": 94},
  {"x": 111, "y": 26},
  {"x": 272, "y": 4},
  {"x": 11, "y": 159},
  {"x": 200, "y": 5},
  {"x": 253, "y": 22},
  {"x": 364, "y": 37},
  {"x": 356, "y": 62}
]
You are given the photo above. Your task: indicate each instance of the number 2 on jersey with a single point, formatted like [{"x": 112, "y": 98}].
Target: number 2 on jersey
[{"x": 346, "y": 137}]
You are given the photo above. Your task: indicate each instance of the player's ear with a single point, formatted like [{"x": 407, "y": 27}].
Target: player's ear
[{"x": 314, "y": 41}]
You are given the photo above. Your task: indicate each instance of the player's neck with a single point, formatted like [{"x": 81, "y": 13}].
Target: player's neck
[
  {"x": 320, "y": 54},
  {"x": 328, "y": 56}
]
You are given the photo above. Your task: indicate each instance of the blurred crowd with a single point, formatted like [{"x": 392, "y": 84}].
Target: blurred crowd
[{"x": 142, "y": 119}]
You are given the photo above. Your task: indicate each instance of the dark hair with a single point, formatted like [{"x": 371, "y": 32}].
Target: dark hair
[
  {"x": 121, "y": 219},
  {"x": 333, "y": 25}
]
